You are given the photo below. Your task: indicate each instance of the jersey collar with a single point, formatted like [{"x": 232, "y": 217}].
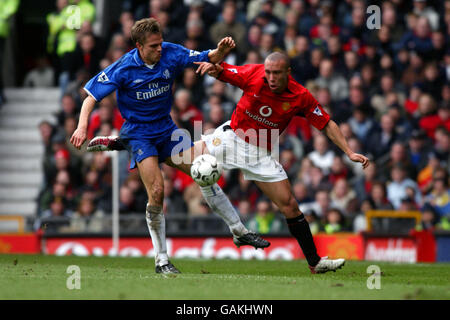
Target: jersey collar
[
  {"x": 291, "y": 88},
  {"x": 139, "y": 62},
  {"x": 137, "y": 58}
]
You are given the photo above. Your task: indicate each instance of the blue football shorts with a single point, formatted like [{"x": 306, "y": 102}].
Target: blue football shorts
[{"x": 141, "y": 141}]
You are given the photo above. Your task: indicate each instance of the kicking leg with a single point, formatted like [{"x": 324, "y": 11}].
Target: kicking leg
[
  {"x": 214, "y": 195},
  {"x": 280, "y": 193},
  {"x": 218, "y": 201},
  {"x": 154, "y": 184}
]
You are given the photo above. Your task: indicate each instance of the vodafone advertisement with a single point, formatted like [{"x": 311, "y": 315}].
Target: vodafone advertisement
[
  {"x": 343, "y": 246},
  {"x": 219, "y": 248},
  {"x": 418, "y": 247}
]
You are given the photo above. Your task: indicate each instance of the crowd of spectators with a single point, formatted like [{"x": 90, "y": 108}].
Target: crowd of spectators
[{"x": 388, "y": 89}]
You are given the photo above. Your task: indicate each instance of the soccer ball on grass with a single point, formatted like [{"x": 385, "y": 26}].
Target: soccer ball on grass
[{"x": 205, "y": 170}]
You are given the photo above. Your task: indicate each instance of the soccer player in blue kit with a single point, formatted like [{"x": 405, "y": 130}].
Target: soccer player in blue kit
[{"x": 143, "y": 79}]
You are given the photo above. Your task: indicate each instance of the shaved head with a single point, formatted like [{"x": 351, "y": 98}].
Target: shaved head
[{"x": 279, "y": 56}]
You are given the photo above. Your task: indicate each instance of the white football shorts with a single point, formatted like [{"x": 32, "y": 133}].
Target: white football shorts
[{"x": 234, "y": 153}]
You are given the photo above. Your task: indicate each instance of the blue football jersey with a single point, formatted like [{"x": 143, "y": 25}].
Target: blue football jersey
[{"x": 144, "y": 93}]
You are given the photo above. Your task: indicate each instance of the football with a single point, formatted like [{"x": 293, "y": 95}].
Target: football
[{"x": 206, "y": 170}]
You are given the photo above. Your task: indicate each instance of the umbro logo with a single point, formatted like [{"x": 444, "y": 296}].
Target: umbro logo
[
  {"x": 103, "y": 78},
  {"x": 138, "y": 81},
  {"x": 234, "y": 70},
  {"x": 317, "y": 111}
]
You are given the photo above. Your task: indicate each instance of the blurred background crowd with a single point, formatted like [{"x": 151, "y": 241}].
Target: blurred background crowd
[{"x": 387, "y": 88}]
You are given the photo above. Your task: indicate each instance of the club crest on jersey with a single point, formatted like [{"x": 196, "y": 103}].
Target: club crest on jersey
[
  {"x": 103, "y": 78},
  {"x": 166, "y": 74},
  {"x": 234, "y": 70},
  {"x": 317, "y": 111},
  {"x": 286, "y": 106},
  {"x": 138, "y": 81}
]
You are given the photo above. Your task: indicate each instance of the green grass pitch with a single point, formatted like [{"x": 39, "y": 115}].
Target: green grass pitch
[{"x": 45, "y": 277}]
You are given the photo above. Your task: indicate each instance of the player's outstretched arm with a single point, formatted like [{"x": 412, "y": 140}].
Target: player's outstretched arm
[
  {"x": 334, "y": 133},
  {"x": 223, "y": 48},
  {"x": 213, "y": 70},
  {"x": 80, "y": 134}
]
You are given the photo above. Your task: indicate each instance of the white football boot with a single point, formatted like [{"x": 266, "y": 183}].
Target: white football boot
[{"x": 326, "y": 265}]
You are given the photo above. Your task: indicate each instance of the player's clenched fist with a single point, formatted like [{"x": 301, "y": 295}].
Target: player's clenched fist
[{"x": 226, "y": 44}]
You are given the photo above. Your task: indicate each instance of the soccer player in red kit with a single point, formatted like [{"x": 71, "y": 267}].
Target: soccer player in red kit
[{"x": 271, "y": 98}]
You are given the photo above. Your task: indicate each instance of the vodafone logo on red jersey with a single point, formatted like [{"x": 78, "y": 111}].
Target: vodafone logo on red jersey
[
  {"x": 262, "y": 119},
  {"x": 265, "y": 111}
]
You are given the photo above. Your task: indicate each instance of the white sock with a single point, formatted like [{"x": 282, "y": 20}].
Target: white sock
[
  {"x": 221, "y": 205},
  {"x": 156, "y": 223}
]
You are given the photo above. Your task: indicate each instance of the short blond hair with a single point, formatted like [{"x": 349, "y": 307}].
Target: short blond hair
[{"x": 144, "y": 26}]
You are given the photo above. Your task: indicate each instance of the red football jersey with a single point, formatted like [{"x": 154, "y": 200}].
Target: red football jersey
[{"x": 259, "y": 108}]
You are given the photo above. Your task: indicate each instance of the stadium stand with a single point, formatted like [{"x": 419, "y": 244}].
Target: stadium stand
[{"x": 21, "y": 148}]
